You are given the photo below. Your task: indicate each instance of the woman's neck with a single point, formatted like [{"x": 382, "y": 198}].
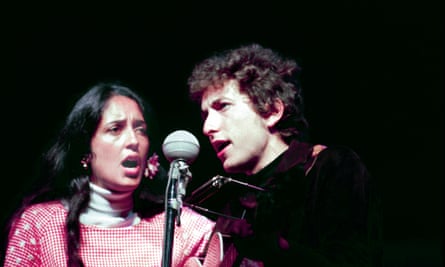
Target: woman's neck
[{"x": 109, "y": 209}]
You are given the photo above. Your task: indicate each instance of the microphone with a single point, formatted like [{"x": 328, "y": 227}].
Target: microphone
[
  {"x": 180, "y": 148},
  {"x": 181, "y": 145}
]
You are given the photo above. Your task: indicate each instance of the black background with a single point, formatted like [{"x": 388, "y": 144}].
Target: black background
[{"x": 372, "y": 78}]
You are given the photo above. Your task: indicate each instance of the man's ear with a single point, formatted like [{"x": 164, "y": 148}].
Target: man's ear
[{"x": 276, "y": 113}]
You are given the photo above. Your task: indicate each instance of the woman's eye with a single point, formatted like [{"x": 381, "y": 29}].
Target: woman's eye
[
  {"x": 142, "y": 130},
  {"x": 114, "y": 129}
]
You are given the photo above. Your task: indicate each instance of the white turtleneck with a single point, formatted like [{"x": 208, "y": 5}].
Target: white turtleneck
[{"x": 109, "y": 209}]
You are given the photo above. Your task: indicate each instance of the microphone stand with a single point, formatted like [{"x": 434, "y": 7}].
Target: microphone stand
[{"x": 177, "y": 180}]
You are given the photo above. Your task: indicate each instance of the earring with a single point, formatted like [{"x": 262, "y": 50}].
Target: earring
[{"x": 84, "y": 161}]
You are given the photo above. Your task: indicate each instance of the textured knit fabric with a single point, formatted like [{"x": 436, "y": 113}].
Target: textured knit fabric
[
  {"x": 312, "y": 213},
  {"x": 38, "y": 239}
]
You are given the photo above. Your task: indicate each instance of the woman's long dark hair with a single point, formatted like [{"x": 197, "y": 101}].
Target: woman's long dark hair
[{"x": 62, "y": 176}]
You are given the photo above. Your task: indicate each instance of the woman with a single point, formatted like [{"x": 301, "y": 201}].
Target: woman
[{"x": 101, "y": 202}]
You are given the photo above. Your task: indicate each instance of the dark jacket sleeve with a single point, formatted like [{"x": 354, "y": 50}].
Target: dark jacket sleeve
[{"x": 342, "y": 224}]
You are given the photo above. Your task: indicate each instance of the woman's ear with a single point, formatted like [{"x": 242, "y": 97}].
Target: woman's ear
[{"x": 276, "y": 113}]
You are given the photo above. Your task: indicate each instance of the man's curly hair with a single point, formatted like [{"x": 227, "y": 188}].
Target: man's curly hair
[{"x": 264, "y": 76}]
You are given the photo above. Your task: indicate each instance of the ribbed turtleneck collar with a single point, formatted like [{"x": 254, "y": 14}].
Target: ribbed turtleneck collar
[{"x": 109, "y": 209}]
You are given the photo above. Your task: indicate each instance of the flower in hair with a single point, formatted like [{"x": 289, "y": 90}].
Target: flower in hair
[{"x": 152, "y": 166}]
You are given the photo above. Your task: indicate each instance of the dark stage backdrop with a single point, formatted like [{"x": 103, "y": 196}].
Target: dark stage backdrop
[{"x": 372, "y": 79}]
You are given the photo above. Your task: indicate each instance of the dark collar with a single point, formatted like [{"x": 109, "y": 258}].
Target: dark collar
[{"x": 297, "y": 153}]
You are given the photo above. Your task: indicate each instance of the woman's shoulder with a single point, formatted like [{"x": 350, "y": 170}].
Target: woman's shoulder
[
  {"x": 192, "y": 216},
  {"x": 44, "y": 211},
  {"x": 36, "y": 218},
  {"x": 187, "y": 216}
]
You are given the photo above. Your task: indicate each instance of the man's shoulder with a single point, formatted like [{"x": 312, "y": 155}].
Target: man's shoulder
[{"x": 339, "y": 152}]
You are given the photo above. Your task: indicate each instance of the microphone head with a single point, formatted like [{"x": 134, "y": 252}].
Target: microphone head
[{"x": 182, "y": 145}]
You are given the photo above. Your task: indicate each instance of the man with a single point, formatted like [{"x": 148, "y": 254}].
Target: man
[{"x": 313, "y": 205}]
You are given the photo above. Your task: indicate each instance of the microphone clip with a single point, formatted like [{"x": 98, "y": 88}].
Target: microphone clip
[{"x": 179, "y": 176}]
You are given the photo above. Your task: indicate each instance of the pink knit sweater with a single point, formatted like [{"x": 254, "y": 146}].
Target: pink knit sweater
[{"x": 38, "y": 239}]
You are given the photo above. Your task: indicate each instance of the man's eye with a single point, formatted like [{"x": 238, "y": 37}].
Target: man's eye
[{"x": 221, "y": 105}]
